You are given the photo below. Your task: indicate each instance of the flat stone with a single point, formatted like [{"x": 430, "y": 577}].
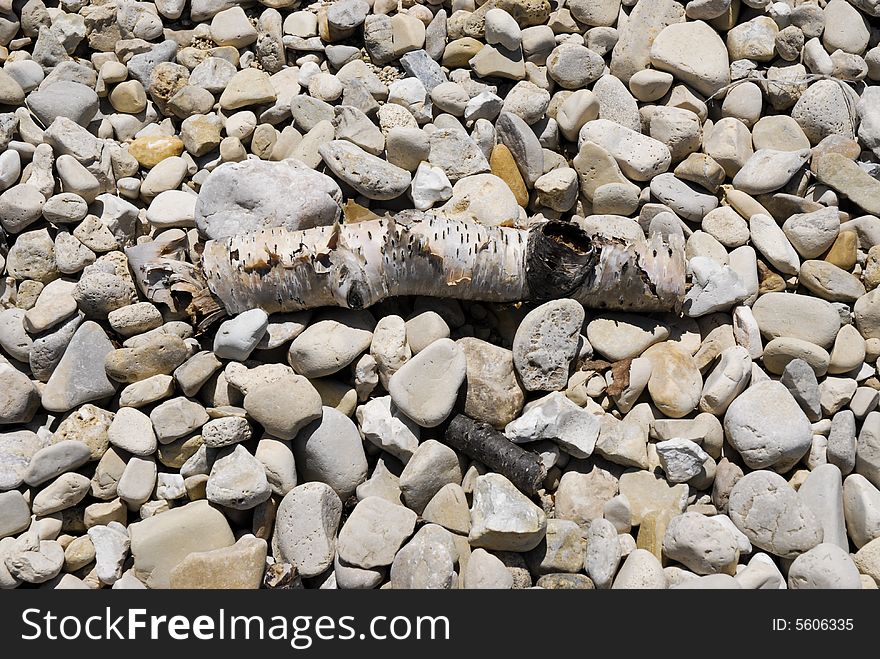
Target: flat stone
[
  {"x": 425, "y": 388},
  {"x": 331, "y": 344},
  {"x": 557, "y": 418},
  {"x": 80, "y": 377},
  {"x": 54, "y": 460},
  {"x": 640, "y": 157},
  {"x": 373, "y": 533},
  {"x": 768, "y": 170},
  {"x": 210, "y": 569},
  {"x": 160, "y": 354},
  {"x": 797, "y": 316},
  {"x": 160, "y": 543},
  {"x": 371, "y": 176},
  {"x": 845, "y": 176},
  {"x": 825, "y": 566}
]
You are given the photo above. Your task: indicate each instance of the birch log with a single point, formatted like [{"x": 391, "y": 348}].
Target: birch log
[{"x": 414, "y": 253}]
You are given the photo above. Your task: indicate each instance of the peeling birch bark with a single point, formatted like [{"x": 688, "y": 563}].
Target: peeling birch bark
[{"x": 414, "y": 253}]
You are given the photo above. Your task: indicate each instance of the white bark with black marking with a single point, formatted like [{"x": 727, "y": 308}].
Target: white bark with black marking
[{"x": 357, "y": 265}]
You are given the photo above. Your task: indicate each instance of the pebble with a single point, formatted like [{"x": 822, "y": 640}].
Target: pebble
[
  {"x": 769, "y": 512},
  {"x": 210, "y": 569},
  {"x": 373, "y": 533},
  {"x": 237, "y": 480},
  {"x": 111, "y": 544},
  {"x": 385, "y": 426},
  {"x": 330, "y": 344},
  {"x": 556, "y": 418},
  {"x": 797, "y": 316},
  {"x": 161, "y": 542},
  {"x": 425, "y": 388},
  {"x": 767, "y": 427},
  {"x": 681, "y": 459},
  {"x": 493, "y": 393},
  {"x": 640, "y": 157},
  {"x": 306, "y": 526},
  {"x": 426, "y": 561},
  {"x": 698, "y": 543},
  {"x": 545, "y": 343},
  {"x": 502, "y": 518},
  {"x": 824, "y": 566},
  {"x": 228, "y": 205},
  {"x": 641, "y": 570},
  {"x": 330, "y": 450},
  {"x": 822, "y": 492},
  {"x": 486, "y": 571},
  {"x": 431, "y": 466}
]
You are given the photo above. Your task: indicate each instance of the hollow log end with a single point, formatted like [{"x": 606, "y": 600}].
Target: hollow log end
[{"x": 559, "y": 255}]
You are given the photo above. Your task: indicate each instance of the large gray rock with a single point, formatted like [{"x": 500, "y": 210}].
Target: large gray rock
[
  {"x": 247, "y": 196},
  {"x": 767, "y": 427},
  {"x": 772, "y": 516},
  {"x": 65, "y": 98},
  {"x": 80, "y": 376},
  {"x": 330, "y": 450}
]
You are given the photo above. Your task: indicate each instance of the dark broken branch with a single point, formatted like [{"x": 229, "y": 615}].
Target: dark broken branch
[{"x": 482, "y": 442}]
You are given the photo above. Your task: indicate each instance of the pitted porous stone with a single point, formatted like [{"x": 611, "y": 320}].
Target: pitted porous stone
[{"x": 545, "y": 344}]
